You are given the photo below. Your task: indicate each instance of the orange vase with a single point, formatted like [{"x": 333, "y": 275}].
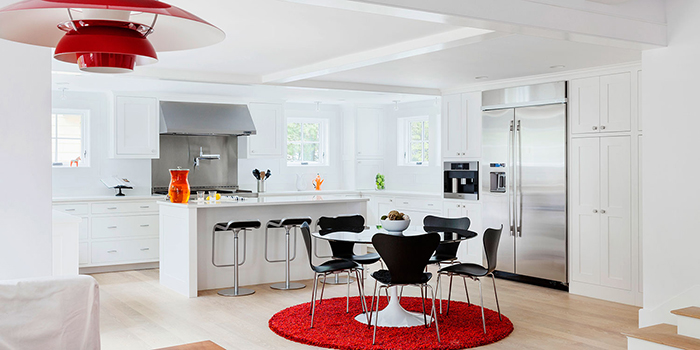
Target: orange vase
[{"x": 179, "y": 191}]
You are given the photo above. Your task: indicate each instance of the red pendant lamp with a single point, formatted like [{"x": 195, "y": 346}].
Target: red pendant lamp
[{"x": 106, "y": 36}]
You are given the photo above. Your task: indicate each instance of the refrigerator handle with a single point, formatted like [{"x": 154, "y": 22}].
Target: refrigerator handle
[
  {"x": 511, "y": 185},
  {"x": 519, "y": 193}
]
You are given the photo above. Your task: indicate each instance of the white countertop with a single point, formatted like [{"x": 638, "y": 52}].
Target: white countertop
[
  {"x": 309, "y": 193},
  {"x": 388, "y": 193},
  {"x": 270, "y": 200},
  {"x": 106, "y": 198}
]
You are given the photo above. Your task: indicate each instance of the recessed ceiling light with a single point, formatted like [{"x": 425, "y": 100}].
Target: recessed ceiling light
[
  {"x": 558, "y": 66},
  {"x": 482, "y": 77}
]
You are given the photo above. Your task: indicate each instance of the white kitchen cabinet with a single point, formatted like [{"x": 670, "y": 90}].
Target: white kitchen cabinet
[
  {"x": 269, "y": 140},
  {"x": 367, "y": 170},
  {"x": 369, "y": 134},
  {"x": 135, "y": 126},
  {"x": 470, "y": 251},
  {"x": 600, "y": 207},
  {"x": 601, "y": 104},
  {"x": 461, "y": 126}
]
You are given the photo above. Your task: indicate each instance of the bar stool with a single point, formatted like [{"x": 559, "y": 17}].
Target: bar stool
[
  {"x": 236, "y": 227},
  {"x": 287, "y": 224}
]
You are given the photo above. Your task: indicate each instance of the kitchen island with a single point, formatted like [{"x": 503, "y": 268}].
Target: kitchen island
[{"x": 186, "y": 240}]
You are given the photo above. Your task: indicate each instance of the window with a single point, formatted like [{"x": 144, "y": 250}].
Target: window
[
  {"x": 415, "y": 140},
  {"x": 306, "y": 143},
  {"x": 69, "y": 146}
]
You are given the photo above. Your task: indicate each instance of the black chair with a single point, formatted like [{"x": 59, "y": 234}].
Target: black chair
[
  {"x": 236, "y": 227},
  {"x": 335, "y": 266},
  {"x": 492, "y": 237},
  {"x": 405, "y": 258},
  {"x": 446, "y": 252},
  {"x": 287, "y": 224},
  {"x": 345, "y": 250}
]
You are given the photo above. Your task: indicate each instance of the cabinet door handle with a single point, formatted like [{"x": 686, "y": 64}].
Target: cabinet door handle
[
  {"x": 145, "y": 206},
  {"x": 430, "y": 204},
  {"x": 602, "y": 127},
  {"x": 112, "y": 251},
  {"x": 70, "y": 209},
  {"x": 602, "y": 211},
  {"x": 405, "y": 202},
  {"x": 111, "y": 208},
  {"x": 145, "y": 225},
  {"x": 145, "y": 249},
  {"x": 595, "y": 128},
  {"x": 111, "y": 227},
  {"x": 595, "y": 211}
]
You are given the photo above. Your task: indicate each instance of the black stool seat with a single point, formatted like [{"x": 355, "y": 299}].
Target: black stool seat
[
  {"x": 438, "y": 258},
  {"x": 466, "y": 269},
  {"x": 288, "y": 222},
  {"x": 384, "y": 276},
  {"x": 227, "y": 226},
  {"x": 366, "y": 259},
  {"x": 335, "y": 265}
]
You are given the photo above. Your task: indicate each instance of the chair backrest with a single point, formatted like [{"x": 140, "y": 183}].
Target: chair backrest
[
  {"x": 406, "y": 256},
  {"x": 438, "y": 224},
  {"x": 492, "y": 238},
  {"x": 349, "y": 223},
  {"x": 306, "y": 234}
]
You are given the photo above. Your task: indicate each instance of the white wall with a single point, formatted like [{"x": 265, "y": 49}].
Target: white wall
[
  {"x": 670, "y": 163},
  {"x": 413, "y": 178},
  {"x": 25, "y": 153},
  {"x": 85, "y": 181},
  {"x": 283, "y": 176}
]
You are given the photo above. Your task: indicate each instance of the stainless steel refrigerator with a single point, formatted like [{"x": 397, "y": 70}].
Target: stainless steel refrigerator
[{"x": 524, "y": 178}]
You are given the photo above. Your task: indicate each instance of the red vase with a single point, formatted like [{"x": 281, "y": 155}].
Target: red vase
[{"x": 179, "y": 191}]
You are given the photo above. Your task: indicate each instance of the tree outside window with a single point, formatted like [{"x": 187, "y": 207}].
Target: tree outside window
[
  {"x": 69, "y": 138},
  {"x": 418, "y": 132},
  {"x": 305, "y": 142}
]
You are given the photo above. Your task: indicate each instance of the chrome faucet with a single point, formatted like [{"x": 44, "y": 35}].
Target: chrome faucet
[{"x": 205, "y": 156}]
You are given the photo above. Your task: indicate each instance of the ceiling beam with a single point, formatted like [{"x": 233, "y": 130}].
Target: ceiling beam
[
  {"x": 340, "y": 85},
  {"x": 410, "y": 48},
  {"x": 519, "y": 17}
]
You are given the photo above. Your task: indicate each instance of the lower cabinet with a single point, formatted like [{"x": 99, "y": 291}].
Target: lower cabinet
[
  {"x": 470, "y": 251},
  {"x": 115, "y": 232},
  {"x": 416, "y": 208}
]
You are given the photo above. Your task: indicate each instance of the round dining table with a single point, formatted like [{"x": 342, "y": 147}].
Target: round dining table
[{"x": 393, "y": 315}]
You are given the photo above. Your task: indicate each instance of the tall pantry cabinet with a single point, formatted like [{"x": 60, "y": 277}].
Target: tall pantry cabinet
[{"x": 604, "y": 238}]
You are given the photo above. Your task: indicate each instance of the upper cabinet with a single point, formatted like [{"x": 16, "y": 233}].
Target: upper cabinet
[
  {"x": 461, "y": 125},
  {"x": 135, "y": 128},
  {"x": 369, "y": 132},
  {"x": 269, "y": 126},
  {"x": 601, "y": 104}
]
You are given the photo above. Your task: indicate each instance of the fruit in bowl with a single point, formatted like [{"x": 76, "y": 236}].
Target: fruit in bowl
[{"x": 395, "y": 221}]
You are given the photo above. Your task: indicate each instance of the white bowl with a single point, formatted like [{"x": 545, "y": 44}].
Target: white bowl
[{"x": 395, "y": 225}]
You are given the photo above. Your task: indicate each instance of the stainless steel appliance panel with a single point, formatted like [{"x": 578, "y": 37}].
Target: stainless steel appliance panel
[
  {"x": 540, "y": 155},
  {"x": 521, "y": 96},
  {"x": 497, "y": 206},
  {"x": 180, "y": 150}
]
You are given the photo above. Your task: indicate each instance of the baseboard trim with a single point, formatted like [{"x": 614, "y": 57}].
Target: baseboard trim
[{"x": 118, "y": 268}]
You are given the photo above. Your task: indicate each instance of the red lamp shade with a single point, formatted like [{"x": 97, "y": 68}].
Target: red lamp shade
[
  {"x": 104, "y": 48},
  {"x": 106, "y": 36}
]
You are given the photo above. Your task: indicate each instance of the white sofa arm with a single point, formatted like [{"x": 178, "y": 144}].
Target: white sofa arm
[{"x": 50, "y": 313}]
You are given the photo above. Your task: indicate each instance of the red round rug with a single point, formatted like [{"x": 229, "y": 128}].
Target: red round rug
[{"x": 333, "y": 328}]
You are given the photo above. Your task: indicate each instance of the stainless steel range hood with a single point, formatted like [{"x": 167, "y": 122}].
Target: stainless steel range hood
[{"x": 187, "y": 118}]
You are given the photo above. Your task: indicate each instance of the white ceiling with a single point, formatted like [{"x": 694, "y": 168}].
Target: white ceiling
[{"x": 500, "y": 58}]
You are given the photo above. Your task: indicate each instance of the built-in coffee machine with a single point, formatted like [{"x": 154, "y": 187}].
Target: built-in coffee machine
[{"x": 461, "y": 180}]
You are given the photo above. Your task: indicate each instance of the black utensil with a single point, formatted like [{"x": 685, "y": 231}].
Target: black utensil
[
  {"x": 256, "y": 173},
  {"x": 267, "y": 174}
]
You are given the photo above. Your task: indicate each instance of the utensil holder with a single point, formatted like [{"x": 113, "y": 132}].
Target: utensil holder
[{"x": 261, "y": 185}]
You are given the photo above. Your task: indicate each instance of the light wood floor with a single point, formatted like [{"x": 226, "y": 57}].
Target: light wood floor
[{"x": 138, "y": 313}]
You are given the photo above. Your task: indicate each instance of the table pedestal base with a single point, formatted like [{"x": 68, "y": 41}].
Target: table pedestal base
[{"x": 393, "y": 315}]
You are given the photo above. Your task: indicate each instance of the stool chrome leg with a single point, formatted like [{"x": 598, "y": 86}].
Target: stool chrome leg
[
  {"x": 287, "y": 285},
  {"x": 235, "y": 291}
]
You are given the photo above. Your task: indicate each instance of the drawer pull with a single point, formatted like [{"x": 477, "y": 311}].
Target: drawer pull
[
  {"x": 405, "y": 202},
  {"x": 145, "y": 249},
  {"x": 145, "y": 225},
  {"x": 111, "y": 208},
  {"x": 145, "y": 206},
  {"x": 111, "y": 227},
  {"x": 70, "y": 209},
  {"x": 430, "y": 204},
  {"x": 112, "y": 251}
]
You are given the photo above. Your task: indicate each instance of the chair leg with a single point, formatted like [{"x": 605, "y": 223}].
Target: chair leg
[
  {"x": 376, "y": 318},
  {"x": 422, "y": 297},
  {"x": 433, "y": 312},
  {"x": 363, "y": 301},
  {"x": 493, "y": 278},
  {"x": 313, "y": 300},
  {"x": 481, "y": 294},
  {"x": 449, "y": 296},
  {"x": 439, "y": 287},
  {"x": 400, "y": 294},
  {"x": 371, "y": 306},
  {"x": 347, "y": 297},
  {"x": 464, "y": 279},
  {"x": 323, "y": 288}
]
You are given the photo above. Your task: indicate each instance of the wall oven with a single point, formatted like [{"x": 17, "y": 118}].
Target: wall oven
[{"x": 461, "y": 180}]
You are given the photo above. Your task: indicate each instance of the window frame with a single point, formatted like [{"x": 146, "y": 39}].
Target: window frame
[
  {"x": 84, "y": 139},
  {"x": 322, "y": 140},
  {"x": 405, "y": 140}
]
